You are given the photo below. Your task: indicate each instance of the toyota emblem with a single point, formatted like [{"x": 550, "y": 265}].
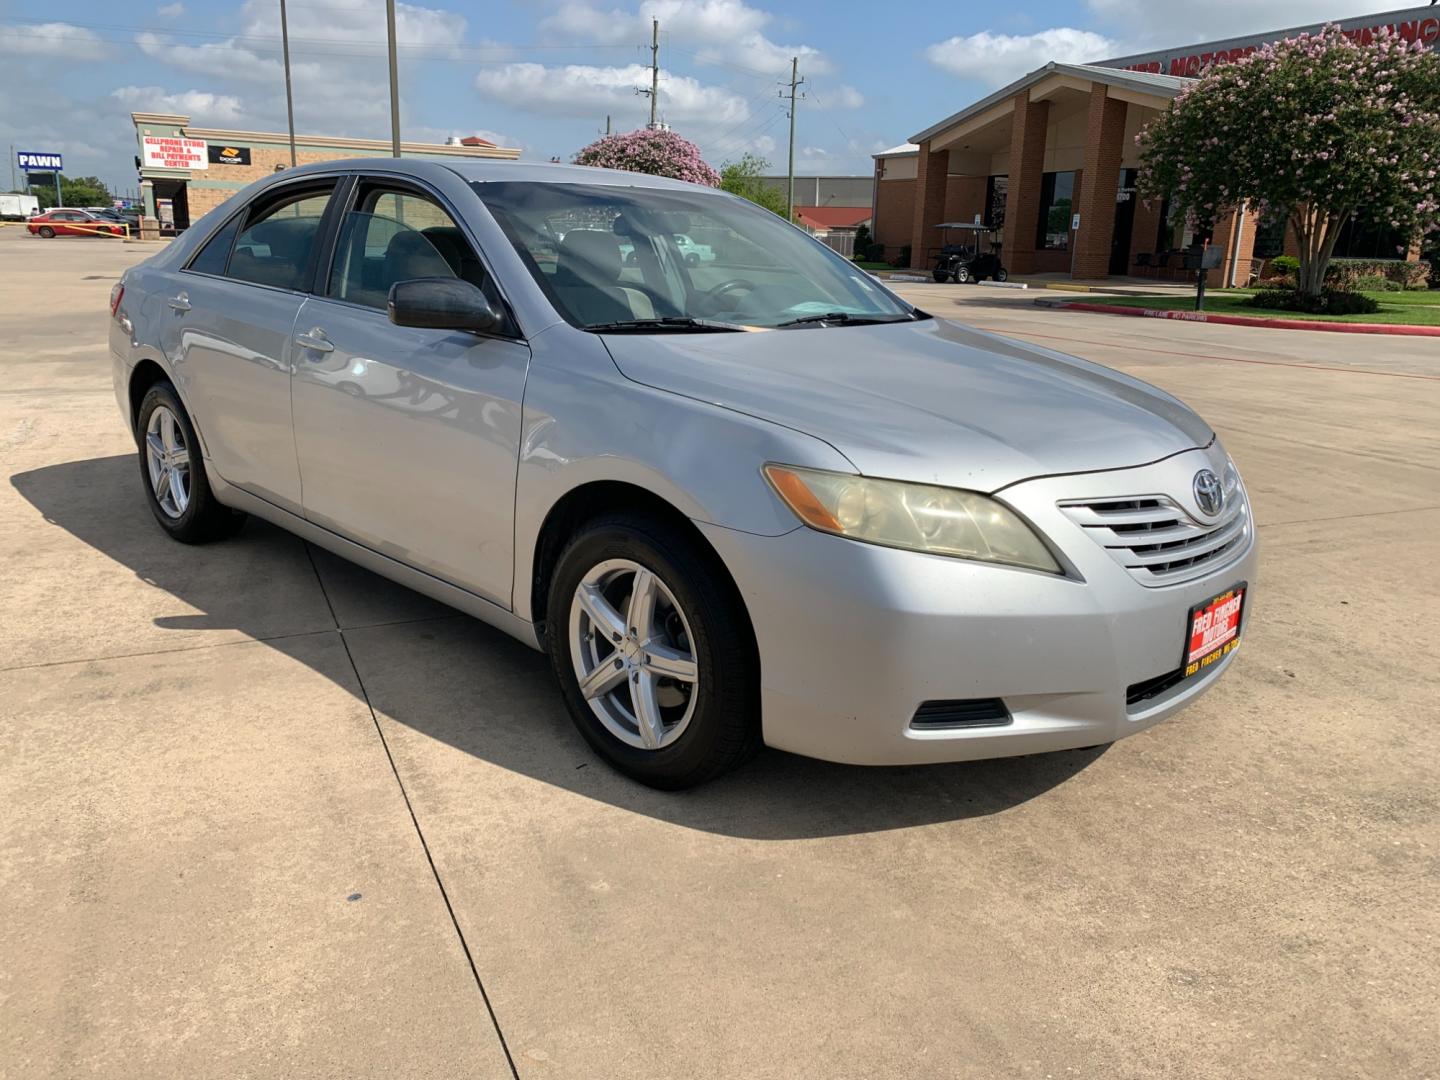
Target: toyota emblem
[{"x": 1209, "y": 493}]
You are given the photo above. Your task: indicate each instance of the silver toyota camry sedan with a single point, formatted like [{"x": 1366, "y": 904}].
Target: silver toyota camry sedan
[{"x": 754, "y": 498}]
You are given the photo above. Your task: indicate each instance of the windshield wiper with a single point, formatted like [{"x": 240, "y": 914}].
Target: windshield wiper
[
  {"x": 845, "y": 318},
  {"x": 679, "y": 323}
]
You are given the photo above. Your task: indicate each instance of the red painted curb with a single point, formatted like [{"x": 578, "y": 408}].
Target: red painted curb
[{"x": 1246, "y": 320}]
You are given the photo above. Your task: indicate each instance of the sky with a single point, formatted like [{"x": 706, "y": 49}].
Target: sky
[{"x": 543, "y": 75}]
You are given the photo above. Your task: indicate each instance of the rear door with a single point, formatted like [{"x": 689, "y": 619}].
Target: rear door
[
  {"x": 229, "y": 318},
  {"x": 408, "y": 438}
]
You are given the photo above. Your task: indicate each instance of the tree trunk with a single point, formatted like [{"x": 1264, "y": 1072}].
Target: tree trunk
[{"x": 1317, "y": 232}]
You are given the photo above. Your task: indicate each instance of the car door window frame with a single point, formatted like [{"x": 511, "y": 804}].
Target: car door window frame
[
  {"x": 336, "y": 183},
  {"x": 509, "y": 329}
]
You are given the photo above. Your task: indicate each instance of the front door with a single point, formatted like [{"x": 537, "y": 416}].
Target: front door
[
  {"x": 1124, "y": 223},
  {"x": 408, "y": 438},
  {"x": 230, "y": 316}
]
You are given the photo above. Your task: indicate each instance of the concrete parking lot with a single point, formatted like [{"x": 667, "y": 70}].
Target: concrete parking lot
[{"x": 265, "y": 814}]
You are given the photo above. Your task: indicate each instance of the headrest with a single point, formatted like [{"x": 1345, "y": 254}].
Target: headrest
[{"x": 590, "y": 256}]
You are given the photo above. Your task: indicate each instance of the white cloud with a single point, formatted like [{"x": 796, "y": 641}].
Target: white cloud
[
  {"x": 717, "y": 31},
  {"x": 996, "y": 59},
  {"x": 170, "y": 11},
  {"x": 51, "y": 39},
  {"x": 837, "y": 97},
  {"x": 582, "y": 90},
  {"x": 206, "y": 107},
  {"x": 1150, "y": 23},
  {"x": 338, "y": 66}
]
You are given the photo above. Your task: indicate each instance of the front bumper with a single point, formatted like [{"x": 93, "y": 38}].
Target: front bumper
[{"x": 853, "y": 637}]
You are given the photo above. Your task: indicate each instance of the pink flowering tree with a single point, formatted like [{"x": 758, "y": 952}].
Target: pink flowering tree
[
  {"x": 1317, "y": 127},
  {"x": 659, "y": 153}
]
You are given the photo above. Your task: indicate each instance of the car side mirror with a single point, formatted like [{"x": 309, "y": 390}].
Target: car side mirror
[{"x": 440, "y": 304}]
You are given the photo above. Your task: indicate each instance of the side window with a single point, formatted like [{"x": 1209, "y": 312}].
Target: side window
[
  {"x": 395, "y": 236},
  {"x": 277, "y": 244},
  {"x": 216, "y": 252}
]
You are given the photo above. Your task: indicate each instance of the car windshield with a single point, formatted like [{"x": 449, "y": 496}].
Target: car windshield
[{"x": 660, "y": 260}]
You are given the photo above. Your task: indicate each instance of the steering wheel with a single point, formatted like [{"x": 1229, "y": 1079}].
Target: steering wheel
[{"x": 713, "y": 296}]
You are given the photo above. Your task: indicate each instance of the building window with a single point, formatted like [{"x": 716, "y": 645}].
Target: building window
[
  {"x": 1361, "y": 239},
  {"x": 1057, "y": 194}
]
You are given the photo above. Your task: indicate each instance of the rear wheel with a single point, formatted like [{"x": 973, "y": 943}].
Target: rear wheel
[
  {"x": 176, "y": 486},
  {"x": 46, "y": 231},
  {"x": 653, "y": 654},
  {"x": 940, "y": 276},
  {"x": 1001, "y": 274},
  {"x": 962, "y": 275}
]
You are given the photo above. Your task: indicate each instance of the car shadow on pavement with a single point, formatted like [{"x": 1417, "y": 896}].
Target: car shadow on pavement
[{"x": 456, "y": 680}]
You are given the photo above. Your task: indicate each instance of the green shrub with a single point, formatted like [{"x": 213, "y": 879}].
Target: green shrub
[
  {"x": 1286, "y": 264},
  {"x": 1345, "y": 273},
  {"x": 1375, "y": 283},
  {"x": 903, "y": 259},
  {"x": 1329, "y": 302}
]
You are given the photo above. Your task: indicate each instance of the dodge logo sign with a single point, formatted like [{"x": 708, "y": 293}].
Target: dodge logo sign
[
  {"x": 221, "y": 154},
  {"x": 1209, "y": 494}
]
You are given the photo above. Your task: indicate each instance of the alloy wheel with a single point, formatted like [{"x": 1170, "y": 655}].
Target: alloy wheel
[
  {"x": 634, "y": 654},
  {"x": 167, "y": 459}
]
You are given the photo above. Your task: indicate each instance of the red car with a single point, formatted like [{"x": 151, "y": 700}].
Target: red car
[{"x": 63, "y": 222}]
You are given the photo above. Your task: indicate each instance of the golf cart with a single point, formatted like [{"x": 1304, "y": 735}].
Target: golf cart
[{"x": 972, "y": 255}]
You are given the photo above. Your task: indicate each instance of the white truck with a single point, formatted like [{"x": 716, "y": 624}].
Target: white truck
[{"x": 18, "y": 207}]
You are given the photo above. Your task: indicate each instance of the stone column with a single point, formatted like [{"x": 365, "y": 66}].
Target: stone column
[
  {"x": 1104, "y": 147},
  {"x": 931, "y": 176},
  {"x": 1027, "y": 170}
]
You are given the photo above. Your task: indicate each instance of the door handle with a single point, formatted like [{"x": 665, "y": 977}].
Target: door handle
[
  {"x": 315, "y": 341},
  {"x": 180, "y": 302}
]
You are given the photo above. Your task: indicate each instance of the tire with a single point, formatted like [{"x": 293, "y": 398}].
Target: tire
[
  {"x": 692, "y": 259},
  {"x": 940, "y": 276},
  {"x": 1002, "y": 275},
  {"x": 198, "y": 518},
  {"x": 962, "y": 275},
  {"x": 47, "y": 232},
  {"x": 708, "y": 726}
]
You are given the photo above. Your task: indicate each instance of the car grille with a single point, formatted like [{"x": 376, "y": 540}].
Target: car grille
[{"x": 1157, "y": 541}]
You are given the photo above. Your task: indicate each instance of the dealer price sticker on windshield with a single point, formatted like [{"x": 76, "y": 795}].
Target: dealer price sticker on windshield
[{"x": 1214, "y": 630}]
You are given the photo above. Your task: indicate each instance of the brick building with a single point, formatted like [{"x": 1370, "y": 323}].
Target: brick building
[
  {"x": 1050, "y": 162},
  {"x": 185, "y": 170}
]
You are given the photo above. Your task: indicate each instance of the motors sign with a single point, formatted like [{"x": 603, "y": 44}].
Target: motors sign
[
  {"x": 30, "y": 161},
  {"x": 173, "y": 152},
  {"x": 1416, "y": 24}
]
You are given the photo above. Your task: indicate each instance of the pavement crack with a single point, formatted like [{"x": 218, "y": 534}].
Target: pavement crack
[{"x": 414, "y": 820}]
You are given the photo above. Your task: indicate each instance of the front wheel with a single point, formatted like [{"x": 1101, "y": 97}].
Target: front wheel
[
  {"x": 963, "y": 275},
  {"x": 653, "y": 652},
  {"x": 1002, "y": 275},
  {"x": 940, "y": 276},
  {"x": 46, "y": 231}
]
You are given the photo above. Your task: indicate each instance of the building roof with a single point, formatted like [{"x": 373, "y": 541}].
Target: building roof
[
  {"x": 832, "y": 217},
  {"x": 1142, "y": 81},
  {"x": 905, "y": 149}
]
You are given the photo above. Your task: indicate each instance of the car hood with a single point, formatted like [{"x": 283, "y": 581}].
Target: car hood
[{"x": 930, "y": 401}]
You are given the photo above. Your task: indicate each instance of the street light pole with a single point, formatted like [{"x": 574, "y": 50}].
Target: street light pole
[
  {"x": 394, "y": 80},
  {"x": 289, "y": 96}
]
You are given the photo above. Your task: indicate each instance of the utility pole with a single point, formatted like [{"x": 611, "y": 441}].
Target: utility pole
[
  {"x": 654, "y": 69},
  {"x": 607, "y": 132},
  {"x": 12, "y": 168},
  {"x": 795, "y": 81},
  {"x": 654, "y": 91},
  {"x": 289, "y": 96},
  {"x": 394, "y": 81}
]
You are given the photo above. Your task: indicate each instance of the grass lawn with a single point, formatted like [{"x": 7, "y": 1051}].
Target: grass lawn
[
  {"x": 874, "y": 266},
  {"x": 1420, "y": 308}
]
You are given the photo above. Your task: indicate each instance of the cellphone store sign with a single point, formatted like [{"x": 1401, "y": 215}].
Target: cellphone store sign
[{"x": 173, "y": 152}]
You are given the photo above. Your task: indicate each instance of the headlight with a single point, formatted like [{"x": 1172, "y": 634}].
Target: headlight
[{"x": 942, "y": 521}]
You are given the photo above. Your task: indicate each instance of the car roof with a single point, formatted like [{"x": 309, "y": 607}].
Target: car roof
[{"x": 481, "y": 171}]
